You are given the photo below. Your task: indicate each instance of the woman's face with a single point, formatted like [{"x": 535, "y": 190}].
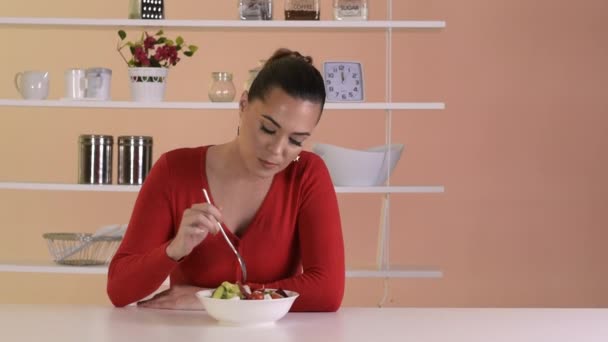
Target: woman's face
[{"x": 272, "y": 131}]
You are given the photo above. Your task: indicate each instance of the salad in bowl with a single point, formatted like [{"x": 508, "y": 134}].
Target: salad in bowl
[{"x": 238, "y": 304}]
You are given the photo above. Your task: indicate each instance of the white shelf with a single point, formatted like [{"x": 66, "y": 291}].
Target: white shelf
[
  {"x": 135, "y": 188},
  {"x": 68, "y": 187},
  {"x": 49, "y": 267},
  {"x": 208, "y": 105},
  {"x": 397, "y": 272},
  {"x": 390, "y": 189},
  {"x": 325, "y": 24},
  {"x": 401, "y": 272}
]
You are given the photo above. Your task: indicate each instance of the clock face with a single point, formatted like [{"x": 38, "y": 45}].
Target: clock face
[{"x": 343, "y": 81}]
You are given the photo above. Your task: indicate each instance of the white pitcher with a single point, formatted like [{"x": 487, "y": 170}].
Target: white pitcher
[{"x": 32, "y": 85}]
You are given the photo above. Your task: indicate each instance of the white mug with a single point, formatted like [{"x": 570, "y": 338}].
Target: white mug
[
  {"x": 75, "y": 84},
  {"x": 32, "y": 85}
]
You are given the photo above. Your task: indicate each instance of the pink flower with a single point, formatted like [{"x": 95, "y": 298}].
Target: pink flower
[
  {"x": 173, "y": 59},
  {"x": 141, "y": 56},
  {"x": 149, "y": 42},
  {"x": 154, "y": 50},
  {"x": 161, "y": 53}
]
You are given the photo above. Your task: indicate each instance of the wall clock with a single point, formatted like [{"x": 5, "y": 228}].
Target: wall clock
[{"x": 343, "y": 81}]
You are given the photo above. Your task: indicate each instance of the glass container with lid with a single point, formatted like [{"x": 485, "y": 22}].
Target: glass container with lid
[
  {"x": 98, "y": 83},
  {"x": 350, "y": 9},
  {"x": 253, "y": 73},
  {"x": 255, "y": 9},
  {"x": 221, "y": 89},
  {"x": 302, "y": 10}
]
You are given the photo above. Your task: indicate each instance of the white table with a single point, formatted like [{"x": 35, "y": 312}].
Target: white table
[{"x": 49, "y": 323}]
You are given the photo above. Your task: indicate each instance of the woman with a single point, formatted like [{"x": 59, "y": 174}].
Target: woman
[{"x": 276, "y": 201}]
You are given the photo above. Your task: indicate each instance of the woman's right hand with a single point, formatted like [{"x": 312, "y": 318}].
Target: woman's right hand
[{"x": 197, "y": 222}]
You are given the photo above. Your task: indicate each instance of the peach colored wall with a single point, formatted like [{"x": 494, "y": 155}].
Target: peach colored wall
[{"x": 520, "y": 147}]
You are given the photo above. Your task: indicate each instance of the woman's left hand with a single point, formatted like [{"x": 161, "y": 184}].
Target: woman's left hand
[{"x": 175, "y": 298}]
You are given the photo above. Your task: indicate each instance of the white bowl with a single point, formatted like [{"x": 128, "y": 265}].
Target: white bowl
[
  {"x": 246, "y": 312},
  {"x": 369, "y": 167}
]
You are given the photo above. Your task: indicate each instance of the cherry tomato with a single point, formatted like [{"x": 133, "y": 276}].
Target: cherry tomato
[
  {"x": 257, "y": 295},
  {"x": 275, "y": 295}
]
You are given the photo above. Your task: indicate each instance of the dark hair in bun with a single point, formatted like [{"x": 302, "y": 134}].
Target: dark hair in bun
[{"x": 293, "y": 73}]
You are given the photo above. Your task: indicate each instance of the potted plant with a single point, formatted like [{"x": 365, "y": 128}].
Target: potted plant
[{"x": 150, "y": 59}]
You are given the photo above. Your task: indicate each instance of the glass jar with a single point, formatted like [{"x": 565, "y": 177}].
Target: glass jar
[
  {"x": 302, "y": 10},
  {"x": 255, "y": 9},
  {"x": 350, "y": 9},
  {"x": 253, "y": 73},
  {"x": 134, "y": 9},
  {"x": 222, "y": 88}
]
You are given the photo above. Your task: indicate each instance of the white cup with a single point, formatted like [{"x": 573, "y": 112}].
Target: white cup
[
  {"x": 32, "y": 85},
  {"x": 75, "y": 84}
]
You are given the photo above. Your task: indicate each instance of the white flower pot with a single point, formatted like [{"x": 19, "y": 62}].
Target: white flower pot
[{"x": 148, "y": 84}]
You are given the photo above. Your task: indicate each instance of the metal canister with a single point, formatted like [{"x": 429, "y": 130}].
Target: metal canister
[
  {"x": 134, "y": 159},
  {"x": 95, "y": 159}
]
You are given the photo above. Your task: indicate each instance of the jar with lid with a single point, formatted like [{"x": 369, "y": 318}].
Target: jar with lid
[
  {"x": 221, "y": 89},
  {"x": 99, "y": 81},
  {"x": 95, "y": 159},
  {"x": 253, "y": 73},
  {"x": 350, "y": 9},
  {"x": 255, "y": 9},
  {"x": 302, "y": 10}
]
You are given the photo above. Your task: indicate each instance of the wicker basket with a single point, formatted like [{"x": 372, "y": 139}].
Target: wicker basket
[{"x": 81, "y": 249}]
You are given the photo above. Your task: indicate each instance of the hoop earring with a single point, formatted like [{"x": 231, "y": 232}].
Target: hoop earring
[{"x": 297, "y": 159}]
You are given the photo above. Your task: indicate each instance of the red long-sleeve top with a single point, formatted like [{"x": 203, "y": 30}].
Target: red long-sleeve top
[{"x": 293, "y": 242}]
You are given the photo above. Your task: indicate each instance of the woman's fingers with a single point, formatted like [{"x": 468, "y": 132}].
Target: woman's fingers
[
  {"x": 202, "y": 219},
  {"x": 197, "y": 221},
  {"x": 174, "y": 299},
  {"x": 154, "y": 298},
  {"x": 154, "y": 304},
  {"x": 208, "y": 209}
]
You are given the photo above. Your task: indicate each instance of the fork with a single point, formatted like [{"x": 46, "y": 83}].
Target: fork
[{"x": 238, "y": 255}]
